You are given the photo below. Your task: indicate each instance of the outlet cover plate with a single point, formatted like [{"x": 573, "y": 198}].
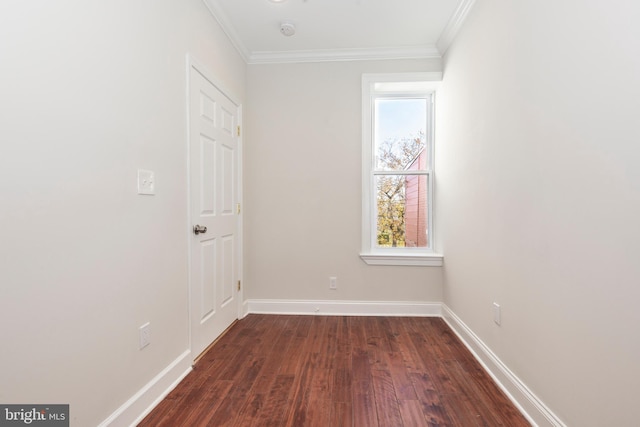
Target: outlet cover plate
[
  {"x": 146, "y": 182},
  {"x": 145, "y": 335}
]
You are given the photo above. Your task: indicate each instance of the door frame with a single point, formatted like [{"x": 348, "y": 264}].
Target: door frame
[{"x": 192, "y": 62}]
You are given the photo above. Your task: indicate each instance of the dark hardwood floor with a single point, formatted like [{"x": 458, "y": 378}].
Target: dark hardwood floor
[{"x": 337, "y": 371}]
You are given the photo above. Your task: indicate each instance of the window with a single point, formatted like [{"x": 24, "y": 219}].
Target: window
[{"x": 397, "y": 169}]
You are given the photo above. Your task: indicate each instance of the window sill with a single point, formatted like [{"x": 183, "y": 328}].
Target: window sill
[{"x": 419, "y": 260}]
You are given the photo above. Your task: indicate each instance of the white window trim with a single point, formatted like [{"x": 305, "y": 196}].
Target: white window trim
[{"x": 371, "y": 254}]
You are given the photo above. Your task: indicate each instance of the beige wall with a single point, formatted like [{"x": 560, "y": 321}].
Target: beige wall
[
  {"x": 90, "y": 92},
  {"x": 537, "y": 194},
  {"x": 538, "y": 197},
  {"x": 303, "y": 187}
]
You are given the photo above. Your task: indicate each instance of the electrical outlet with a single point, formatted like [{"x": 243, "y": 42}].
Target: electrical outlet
[
  {"x": 145, "y": 335},
  {"x": 497, "y": 316},
  {"x": 146, "y": 182},
  {"x": 333, "y": 283}
]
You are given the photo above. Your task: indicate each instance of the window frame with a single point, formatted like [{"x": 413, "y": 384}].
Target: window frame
[{"x": 395, "y": 86}]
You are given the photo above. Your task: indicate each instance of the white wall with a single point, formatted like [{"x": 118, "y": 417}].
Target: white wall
[
  {"x": 538, "y": 197},
  {"x": 90, "y": 92},
  {"x": 303, "y": 187}
]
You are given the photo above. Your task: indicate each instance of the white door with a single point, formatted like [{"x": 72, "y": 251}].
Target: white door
[{"x": 213, "y": 165}]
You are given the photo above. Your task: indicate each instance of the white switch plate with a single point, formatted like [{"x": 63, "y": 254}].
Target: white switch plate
[
  {"x": 333, "y": 283},
  {"x": 145, "y": 335},
  {"x": 496, "y": 313},
  {"x": 146, "y": 182}
]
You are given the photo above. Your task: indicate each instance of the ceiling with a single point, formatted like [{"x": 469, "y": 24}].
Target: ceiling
[{"x": 329, "y": 30}]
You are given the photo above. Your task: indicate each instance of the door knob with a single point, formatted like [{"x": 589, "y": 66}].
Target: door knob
[{"x": 197, "y": 229}]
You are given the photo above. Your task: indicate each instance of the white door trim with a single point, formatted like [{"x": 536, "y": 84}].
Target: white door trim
[{"x": 192, "y": 62}]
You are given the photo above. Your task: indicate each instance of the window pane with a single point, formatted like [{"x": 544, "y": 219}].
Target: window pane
[
  {"x": 401, "y": 211},
  {"x": 400, "y": 126}
]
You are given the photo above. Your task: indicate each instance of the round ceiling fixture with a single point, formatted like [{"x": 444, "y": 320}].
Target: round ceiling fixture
[
  {"x": 287, "y": 29},
  {"x": 277, "y": 1}
]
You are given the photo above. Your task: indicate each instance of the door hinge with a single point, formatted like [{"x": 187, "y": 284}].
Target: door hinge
[
  {"x": 238, "y": 208},
  {"x": 238, "y": 130},
  {"x": 239, "y": 286}
]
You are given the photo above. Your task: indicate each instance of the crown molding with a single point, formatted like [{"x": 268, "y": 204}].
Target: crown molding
[
  {"x": 326, "y": 55},
  {"x": 453, "y": 26},
  {"x": 320, "y": 55},
  {"x": 227, "y": 27}
]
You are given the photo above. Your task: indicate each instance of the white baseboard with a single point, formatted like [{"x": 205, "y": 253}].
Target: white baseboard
[
  {"x": 344, "y": 308},
  {"x": 536, "y": 412},
  {"x": 245, "y": 309},
  {"x": 140, "y": 404}
]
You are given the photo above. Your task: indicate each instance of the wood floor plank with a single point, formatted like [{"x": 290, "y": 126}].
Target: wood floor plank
[
  {"x": 315, "y": 410},
  {"x": 321, "y": 384},
  {"x": 318, "y": 414},
  {"x": 304, "y": 325},
  {"x": 362, "y": 395},
  {"x": 341, "y": 385},
  {"x": 411, "y": 354},
  {"x": 330, "y": 344},
  {"x": 400, "y": 376},
  {"x": 273, "y": 362},
  {"x": 432, "y": 407},
  {"x": 299, "y": 371},
  {"x": 208, "y": 403},
  {"x": 235, "y": 400},
  {"x": 298, "y": 410},
  {"x": 487, "y": 396},
  {"x": 360, "y": 370},
  {"x": 342, "y": 335},
  {"x": 296, "y": 356},
  {"x": 163, "y": 415},
  {"x": 411, "y": 413},
  {"x": 273, "y": 412},
  {"x": 341, "y": 415},
  {"x": 317, "y": 335},
  {"x": 386, "y": 399},
  {"x": 250, "y": 412},
  {"x": 364, "y": 408},
  {"x": 377, "y": 344}
]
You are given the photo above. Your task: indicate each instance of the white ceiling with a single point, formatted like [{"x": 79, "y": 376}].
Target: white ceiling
[{"x": 340, "y": 29}]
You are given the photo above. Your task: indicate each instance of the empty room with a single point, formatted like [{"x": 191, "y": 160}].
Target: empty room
[{"x": 334, "y": 213}]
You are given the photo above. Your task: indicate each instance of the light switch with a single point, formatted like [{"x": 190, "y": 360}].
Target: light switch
[
  {"x": 496, "y": 313},
  {"x": 146, "y": 182}
]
